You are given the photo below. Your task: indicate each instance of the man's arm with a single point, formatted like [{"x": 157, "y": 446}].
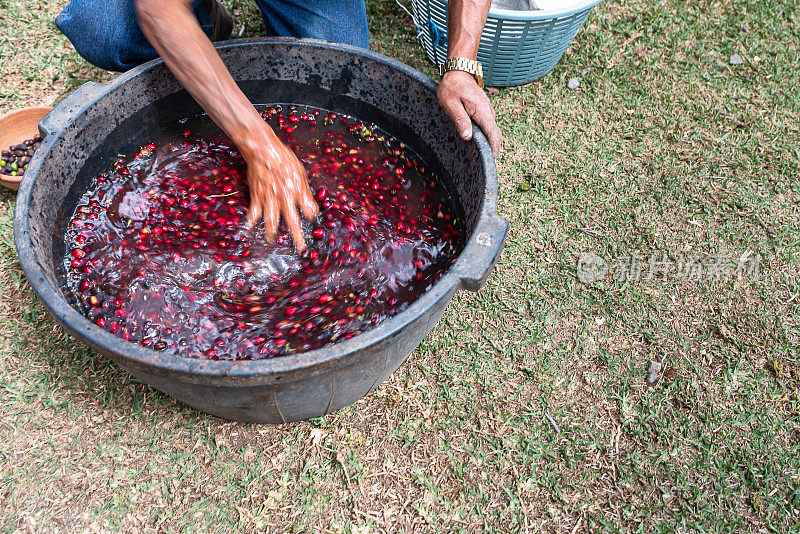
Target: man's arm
[
  {"x": 459, "y": 94},
  {"x": 277, "y": 180}
]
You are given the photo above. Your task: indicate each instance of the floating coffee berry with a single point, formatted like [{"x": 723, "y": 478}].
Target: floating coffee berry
[
  {"x": 157, "y": 251},
  {"x": 14, "y": 161}
]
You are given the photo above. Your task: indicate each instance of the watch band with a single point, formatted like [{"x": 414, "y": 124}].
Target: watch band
[{"x": 467, "y": 65}]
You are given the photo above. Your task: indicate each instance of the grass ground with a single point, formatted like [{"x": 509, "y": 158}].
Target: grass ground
[{"x": 527, "y": 407}]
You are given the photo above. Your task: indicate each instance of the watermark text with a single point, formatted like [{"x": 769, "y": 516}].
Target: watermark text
[{"x": 691, "y": 268}]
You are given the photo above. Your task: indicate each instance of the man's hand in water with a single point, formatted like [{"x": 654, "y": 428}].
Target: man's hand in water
[
  {"x": 277, "y": 180},
  {"x": 278, "y": 186}
]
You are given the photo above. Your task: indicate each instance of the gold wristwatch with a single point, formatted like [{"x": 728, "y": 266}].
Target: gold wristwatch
[{"x": 467, "y": 65}]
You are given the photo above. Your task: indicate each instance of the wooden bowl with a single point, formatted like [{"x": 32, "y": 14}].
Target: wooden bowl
[{"x": 16, "y": 127}]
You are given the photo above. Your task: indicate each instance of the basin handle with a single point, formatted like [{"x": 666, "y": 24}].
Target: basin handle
[
  {"x": 67, "y": 109},
  {"x": 482, "y": 251}
]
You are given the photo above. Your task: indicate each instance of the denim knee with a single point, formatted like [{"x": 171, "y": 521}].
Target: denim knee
[
  {"x": 340, "y": 21},
  {"x": 106, "y": 33}
]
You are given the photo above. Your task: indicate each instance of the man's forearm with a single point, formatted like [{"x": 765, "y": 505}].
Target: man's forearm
[
  {"x": 277, "y": 179},
  {"x": 172, "y": 29},
  {"x": 465, "y": 25}
]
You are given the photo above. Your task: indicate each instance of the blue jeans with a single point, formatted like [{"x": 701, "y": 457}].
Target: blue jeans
[{"x": 106, "y": 34}]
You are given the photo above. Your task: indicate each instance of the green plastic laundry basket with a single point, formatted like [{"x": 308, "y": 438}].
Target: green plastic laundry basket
[{"x": 516, "y": 47}]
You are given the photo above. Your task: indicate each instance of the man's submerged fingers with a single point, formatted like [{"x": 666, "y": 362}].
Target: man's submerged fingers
[
  {"x": 299, "y": 242},
  {"x": 309, "y": 208},
  {"x": 295, "y": 227},
  {"x": 271, "y": 220},
  {"x": 307, "y": 204},
  {"x": 253, "y": 214}
]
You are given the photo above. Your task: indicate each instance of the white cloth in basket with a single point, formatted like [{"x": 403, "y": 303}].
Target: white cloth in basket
[{"x": 532, "y": 5}]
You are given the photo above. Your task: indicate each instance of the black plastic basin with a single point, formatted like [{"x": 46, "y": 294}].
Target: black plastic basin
[{"x": 83, "y": 135}]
